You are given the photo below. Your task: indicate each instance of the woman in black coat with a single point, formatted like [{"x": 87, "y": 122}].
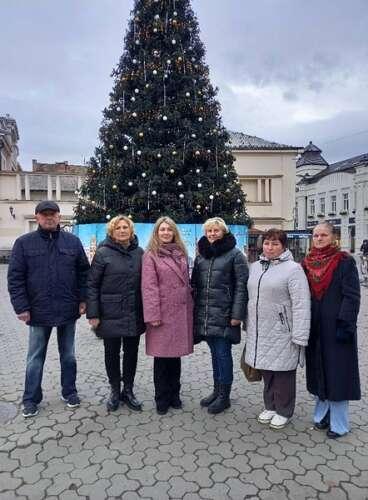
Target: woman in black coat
[
  {"x": 114, "y": 306},
  {"x": 332, "y": 355},
  {"x": 219, "y": 281}
]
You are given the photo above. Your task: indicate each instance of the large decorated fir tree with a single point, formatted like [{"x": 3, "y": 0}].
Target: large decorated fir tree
[{"x": 163, "y": 149}]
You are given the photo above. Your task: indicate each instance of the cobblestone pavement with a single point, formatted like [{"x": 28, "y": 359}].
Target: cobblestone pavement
[{"x": 89, "y": 454}]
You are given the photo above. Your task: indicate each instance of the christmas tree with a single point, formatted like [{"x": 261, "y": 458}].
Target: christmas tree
[{"x": 163, "y": 149}]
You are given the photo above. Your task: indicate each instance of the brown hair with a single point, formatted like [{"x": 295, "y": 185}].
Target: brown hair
[
  {"x": 154, "y": 243},
  {"x": 112, "y": 225},
  {"x": 276, "y": 234}
]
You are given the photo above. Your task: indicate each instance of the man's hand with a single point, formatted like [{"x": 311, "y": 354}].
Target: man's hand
[
  {"x": 94, "y": 322},
  {"x": 155, "y": 323},
  {"x": 82, "y": 308},
  {"x": 235, "y": 322},
  {"x": 25, "y": 316}
]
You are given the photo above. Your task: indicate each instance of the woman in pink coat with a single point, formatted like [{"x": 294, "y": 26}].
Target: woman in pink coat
[{"x": 168, "y": 310}]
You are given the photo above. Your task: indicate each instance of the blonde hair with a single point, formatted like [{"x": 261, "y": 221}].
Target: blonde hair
[
  {"x": 112, "y": 225},
  {"x": 216, "y": 221},
  {"x": 154, "y": 243}
]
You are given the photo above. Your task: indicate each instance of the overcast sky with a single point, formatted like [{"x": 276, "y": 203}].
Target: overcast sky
[{"x": 288, "y": 71}]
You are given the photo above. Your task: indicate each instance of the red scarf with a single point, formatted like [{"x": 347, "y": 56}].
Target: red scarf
[{"x": 319, "y": 266}]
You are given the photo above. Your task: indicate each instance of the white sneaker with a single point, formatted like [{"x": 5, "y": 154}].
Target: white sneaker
[
  {"x": 279, "y": 422},
  {"x": 266, "y": 416}
]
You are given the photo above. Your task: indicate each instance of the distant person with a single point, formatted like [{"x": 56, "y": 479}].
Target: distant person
[
  {"x": 278, "y": 324},
  {"x": 168, "y": 311},
  {"x": 364, "y": 248},
  {"x": 219, "y": 281},
  {"x": 114, "y": 307},
  {"x": 47, "y": 285},
  {"x": 332, "y": 352}
]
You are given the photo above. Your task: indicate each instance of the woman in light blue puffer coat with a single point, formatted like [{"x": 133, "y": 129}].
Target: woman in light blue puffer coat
[{"x": 278, "y": 325}]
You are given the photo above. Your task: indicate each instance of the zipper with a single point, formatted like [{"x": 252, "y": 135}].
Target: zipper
[
  {"x": 286, "y": 319},
  {"x": 207, "y": 293},
  {"x": 257, "y": 302}
]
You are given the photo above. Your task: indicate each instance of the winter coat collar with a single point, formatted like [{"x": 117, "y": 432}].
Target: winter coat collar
[
  {"x": 284, "y": 257},
  {"x": 114, "y": 245},
  {"x": 49, "y": 235},
  {"x": 219, "y": 247},
  {"x": 174, "y": 258}
]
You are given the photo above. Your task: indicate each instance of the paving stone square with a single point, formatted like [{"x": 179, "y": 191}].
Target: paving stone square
[{"x": 90, "y": 454}]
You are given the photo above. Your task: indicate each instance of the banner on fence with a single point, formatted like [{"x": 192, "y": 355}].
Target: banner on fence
[{"x": 92, "y": 234}]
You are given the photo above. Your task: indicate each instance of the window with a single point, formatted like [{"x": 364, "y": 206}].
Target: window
[
  {"x": 333, "y": 204},
  {"x": 345, "y": 201},
  {"x": 312, "y": 207},
  {"x": 2, "y": 161},
  {"x": 322, "y": 205},
  {"x": 296, "y": 216}
]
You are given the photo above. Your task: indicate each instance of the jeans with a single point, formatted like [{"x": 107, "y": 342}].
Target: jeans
[
  {"x": 222, "y": 360},
  {"x": 37, "y": 347},
  {"x": 339, "y": 414},
  {"x": 129, "y": 363}
]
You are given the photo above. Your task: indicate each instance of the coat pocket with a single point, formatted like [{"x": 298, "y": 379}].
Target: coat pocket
[
  {"x": 111, "y": 306},
  {"x": 68, "y": 257},
  {"x": 283, "y": 319}
]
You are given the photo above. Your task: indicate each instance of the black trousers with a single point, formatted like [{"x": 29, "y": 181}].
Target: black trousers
[
  {"x": 129, "y": 363},
  {"x": 279, "y": 391},
  {"x": 166, "y": 377}
]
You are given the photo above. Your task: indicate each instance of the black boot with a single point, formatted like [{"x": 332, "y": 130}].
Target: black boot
[
  {"x": 113, "y": 402},
  {"x": 176, "y": 402},
  {"x": 128, "y": 397},
  {"x": 324, "y": 423},
  {"x": 211, "y": 398},
  {"x": 222, "y": 401}
]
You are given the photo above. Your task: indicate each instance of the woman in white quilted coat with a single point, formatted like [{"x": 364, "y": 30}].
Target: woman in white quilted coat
[{"x": 278, "y": 324}]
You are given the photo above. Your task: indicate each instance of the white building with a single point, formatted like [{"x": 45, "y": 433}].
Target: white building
[
  {"x": 21, "y": 191},
  {"x": 266, "y": 171},
  {"x": 337, "y": 193}
]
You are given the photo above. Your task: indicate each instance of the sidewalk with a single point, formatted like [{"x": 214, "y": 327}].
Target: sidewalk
[{"x": 90, "y": 454}]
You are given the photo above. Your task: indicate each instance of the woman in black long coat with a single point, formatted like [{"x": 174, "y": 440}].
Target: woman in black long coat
[
  {"x": 332, "y": 355},
  {"x": 114, "y": 306}
]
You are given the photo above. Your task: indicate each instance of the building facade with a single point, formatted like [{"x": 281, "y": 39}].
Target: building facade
[
  {"x": 337, "y": 193},
  {"x": 21, "y": 191},
  {"x": 267, "y": 174},
  {"x": 9, "y": 138}
]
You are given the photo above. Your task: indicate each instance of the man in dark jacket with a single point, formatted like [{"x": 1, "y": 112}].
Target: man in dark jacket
[{"x": 47, "y": 286}]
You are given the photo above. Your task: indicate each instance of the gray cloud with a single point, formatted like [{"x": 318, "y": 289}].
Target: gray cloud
[{"x": 271, "y": 59}]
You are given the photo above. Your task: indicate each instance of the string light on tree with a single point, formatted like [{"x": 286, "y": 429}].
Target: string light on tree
[{"x": 162, "y": 127}]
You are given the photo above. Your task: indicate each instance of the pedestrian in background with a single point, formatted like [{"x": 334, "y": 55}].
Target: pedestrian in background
[
  {"x": 278, "y": 323},
  {"x": 219, "y": 281},
  {"x": 332, "y": 353},
  {"x": 47, "y": 285},
  {"x": 168, "y": 310},
  {"x": 114, "y": 307}
]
